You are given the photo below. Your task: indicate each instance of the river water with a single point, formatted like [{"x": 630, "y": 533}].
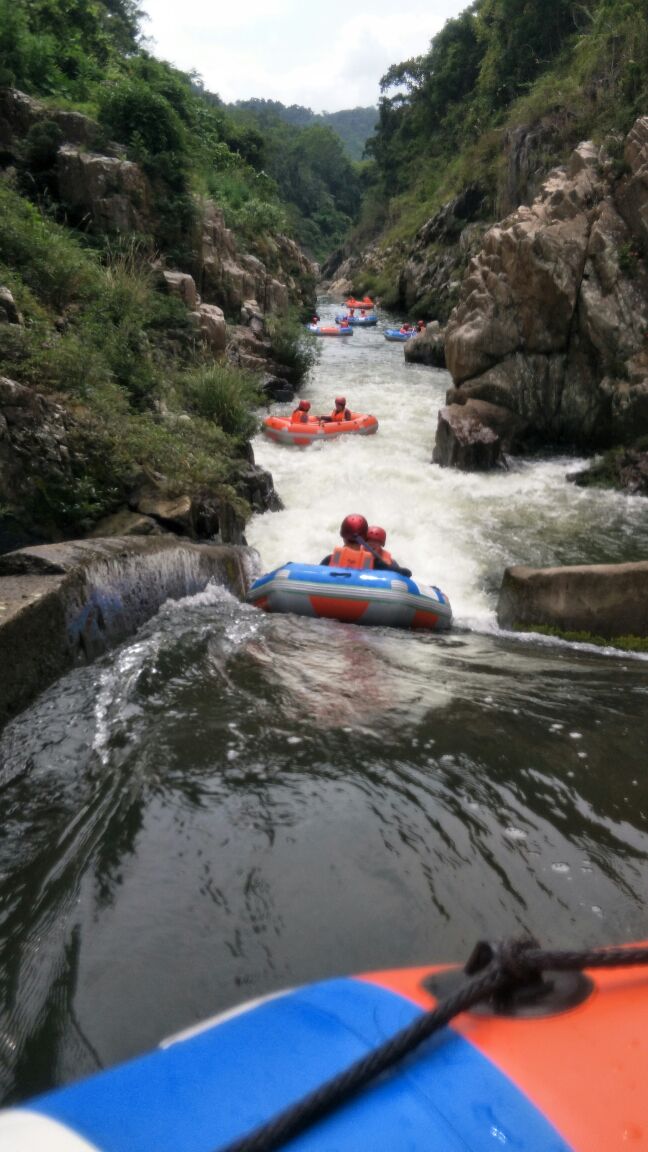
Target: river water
[{"x": 232, "y": 803}]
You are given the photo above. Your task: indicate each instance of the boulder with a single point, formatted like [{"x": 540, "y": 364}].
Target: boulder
[
  {"x": 427, "y": 347},
  {"x": 126, "y": 523},
  {"x": 608, "y": 600},
  {"x": 473, "y": 435},
  {"x": 183, "y": 285},
  {"x": 9, "y": 313},
  {"x": 213, "y": 327},
  {"x": 106, "y": 193}
]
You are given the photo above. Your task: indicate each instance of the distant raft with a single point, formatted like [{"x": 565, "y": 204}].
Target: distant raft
[
  {"x": 367, "y": 302},
  {"x": 283, "y": 430},
  {"x": 396, "y": 334},
  {"x": 359, "y": 321},
  {"x": 329, "y": 330},
  {"x": 352, "y": 596}
]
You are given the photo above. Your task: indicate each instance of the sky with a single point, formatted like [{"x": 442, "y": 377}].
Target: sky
[{"x": 323, "y": 57}]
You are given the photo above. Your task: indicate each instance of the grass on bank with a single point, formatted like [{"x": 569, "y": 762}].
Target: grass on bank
[
  {"x": 627, "y": 643},
  {"x": 122, "y": 358}
]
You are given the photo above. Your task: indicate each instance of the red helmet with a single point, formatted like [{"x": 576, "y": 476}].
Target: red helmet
[
  {"x": 353, "y": 526},
  {"x": 340, "y": 401},
  {"x": 304, "y": 405},
  {"x": 377, "y": 535}
]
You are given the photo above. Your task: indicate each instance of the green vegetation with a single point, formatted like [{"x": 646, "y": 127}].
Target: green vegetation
[
  {"x": 626, "y": 643},
  {"x": 354, "y": 126},
  {"x": 123, "y": 359},
  {"x": 562, "y": 70}
]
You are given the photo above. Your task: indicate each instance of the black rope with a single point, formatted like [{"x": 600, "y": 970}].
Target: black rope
[{"x": 493, "y": 968}]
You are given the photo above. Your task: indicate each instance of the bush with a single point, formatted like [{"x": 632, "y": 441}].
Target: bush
[
  {"x": 225, "y": 396},
  {"x": 295, "y": 349}
]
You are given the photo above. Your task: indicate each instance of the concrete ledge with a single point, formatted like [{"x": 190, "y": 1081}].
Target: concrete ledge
[
  {"x": 62, "y": 604},
  {"x": 608, "y": 600}
]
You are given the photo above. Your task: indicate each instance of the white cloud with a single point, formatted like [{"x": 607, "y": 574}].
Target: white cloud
[{"x": 278, "y": 49}]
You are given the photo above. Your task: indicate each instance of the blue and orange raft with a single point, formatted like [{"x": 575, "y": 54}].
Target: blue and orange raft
[
  {"x": 352, "y": 596},
  {"x": 570, "y": 1081}
]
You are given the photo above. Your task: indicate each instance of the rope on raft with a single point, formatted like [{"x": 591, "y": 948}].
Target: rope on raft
[{"x": 492, "y": 968}]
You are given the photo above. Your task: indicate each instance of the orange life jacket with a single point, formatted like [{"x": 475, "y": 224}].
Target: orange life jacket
[
  {"x": 383, "y": 553},
  {"x": 299, "y": 416},
  {"x": 351, "y": 558},
  {"x": 340, "y": 416}
]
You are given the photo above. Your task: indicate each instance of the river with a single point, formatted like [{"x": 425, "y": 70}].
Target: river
[{"x": 232, "y": 803}]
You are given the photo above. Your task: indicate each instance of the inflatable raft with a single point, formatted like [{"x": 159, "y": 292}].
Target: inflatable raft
[
  {"x": 570, "y": 1078},
  {"x": 367, "y": 302},
  {"x": 386, "y": 599},
  {"x": 329, "y": 330},
  {"x": 360, "y": 321},
  {"x": 396, "y": 334},
  {"x": 282, "y": 430}
]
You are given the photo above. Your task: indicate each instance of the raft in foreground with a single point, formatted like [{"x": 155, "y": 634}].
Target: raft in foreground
[
  {"x": 283, "y": 430},
  {"x": 571, "y": 1080},
  {"x": 385, "y": 599}
]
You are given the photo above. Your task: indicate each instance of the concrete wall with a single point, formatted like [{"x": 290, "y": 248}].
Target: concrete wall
[{"x": 62, "y": 604}]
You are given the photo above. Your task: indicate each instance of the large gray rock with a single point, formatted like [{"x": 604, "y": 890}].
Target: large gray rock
[
  {"x": 473, "y": 435},
  {"x": 9, "y": 313},
  {"x": 61, "y": 604},
  {"x": 182, "y": 285},
  {"x": 106, "y": 193},
  {"x": 553, "y": 311},
  {"x": 427, "y": 347},
  {"x": 608, "y": 600},
  {"x": 213, "y": 327}
]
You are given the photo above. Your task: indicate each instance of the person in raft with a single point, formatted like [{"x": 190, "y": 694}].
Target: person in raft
[
  {"x": 356, "y": 552},
  {"x": 376, "y": 539},
  {"x": 300, "y": 415},
  {"x": 421, "y": 325},
  {"x": 405, "y": 328},
  {"x": 344, "y": 322},
  {"x": 340, "y": 412}
]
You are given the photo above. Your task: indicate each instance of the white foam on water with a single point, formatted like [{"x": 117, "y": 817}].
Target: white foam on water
[{"x": 455, "y": 529}]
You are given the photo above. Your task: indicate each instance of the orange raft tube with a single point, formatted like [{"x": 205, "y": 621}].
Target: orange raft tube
[
  {"x": 283, "y": 430},
  {"x": 367, "y": 302}
]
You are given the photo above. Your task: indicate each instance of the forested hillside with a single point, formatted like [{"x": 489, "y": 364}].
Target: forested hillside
[
  {"x": 266, "y": 175},
  {"x": 149, "y": 280},
  {"x": 503, "y": 93},
  {"x": 354, "y": 126}
]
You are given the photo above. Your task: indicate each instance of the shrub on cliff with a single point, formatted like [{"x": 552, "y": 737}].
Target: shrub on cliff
[
  {"x": 225, "y": 395},
  {"x": 293, "y": 347}
]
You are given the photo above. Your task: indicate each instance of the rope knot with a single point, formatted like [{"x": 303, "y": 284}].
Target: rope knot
[{"x": 511, "y": 957}]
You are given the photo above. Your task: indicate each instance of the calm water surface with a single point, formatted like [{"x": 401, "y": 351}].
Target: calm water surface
[{"x": 232, "y": 803}]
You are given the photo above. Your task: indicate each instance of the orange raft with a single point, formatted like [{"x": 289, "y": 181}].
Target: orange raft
[
  {"x": 367, "y": 302},
  {"x": 283, "y": 430}
]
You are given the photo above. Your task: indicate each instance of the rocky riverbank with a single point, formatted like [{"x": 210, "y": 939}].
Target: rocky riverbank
[
  {"x": 63, "y": 604},
  {"x": 129, "y": 376}
]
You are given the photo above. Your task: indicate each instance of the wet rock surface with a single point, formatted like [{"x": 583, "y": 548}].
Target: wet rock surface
[
  {"x": 474, "y": 435},
  {"x": 427, "y": 347},
  {"x": 61, "y": 604}
]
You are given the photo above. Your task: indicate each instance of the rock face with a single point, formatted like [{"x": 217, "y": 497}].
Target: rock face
[
  {"x": 20, "y": 112},
  {"x": 67, "y": 603},
  {"x": 226, "y": 277},
  {"x": 608, "y": 600},
  {"x": 427, "y": 347},
  {"x": 474, "y": 435},
  {"x": 553, "y": 313},
  {"x": 106, "y": 193}
]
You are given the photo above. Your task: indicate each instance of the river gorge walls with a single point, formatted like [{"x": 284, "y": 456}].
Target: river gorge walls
[{"x": 65, "y": 604}]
